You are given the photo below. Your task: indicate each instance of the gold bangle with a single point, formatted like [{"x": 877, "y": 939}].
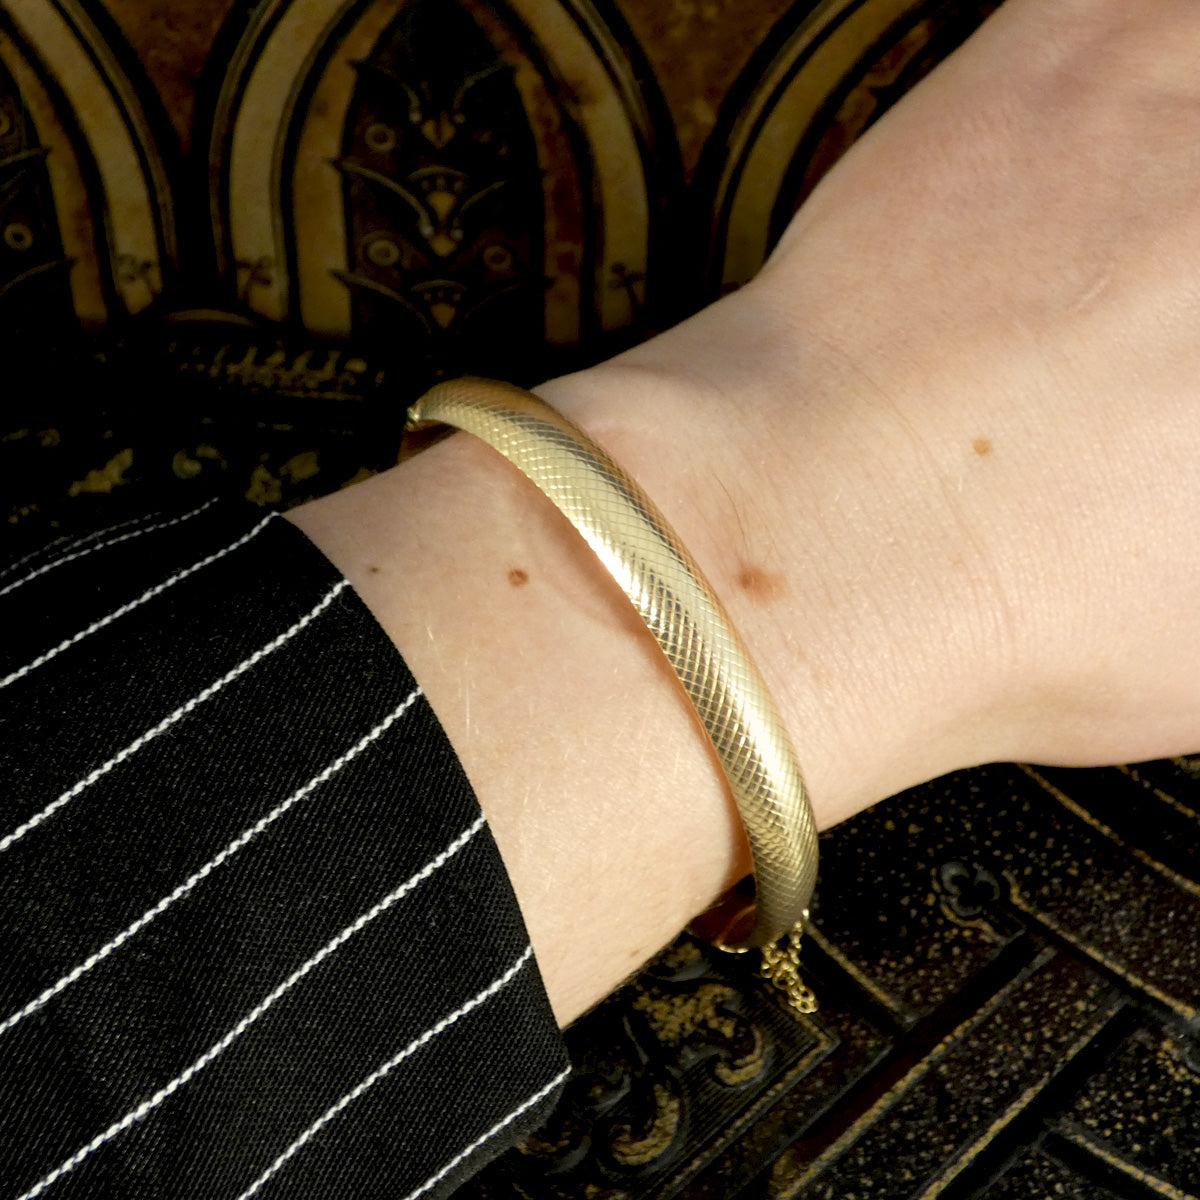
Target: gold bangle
[{"x": 646, "y": 558}]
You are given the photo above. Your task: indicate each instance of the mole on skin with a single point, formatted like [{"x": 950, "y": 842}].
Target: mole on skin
[
  {"x": 517, "y": 577},
  {"x": 761, "y": 586},
  {"x": 982, "y": 446}
]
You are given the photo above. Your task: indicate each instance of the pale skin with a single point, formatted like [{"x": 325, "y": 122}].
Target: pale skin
[{"x": 940, "y": 460}]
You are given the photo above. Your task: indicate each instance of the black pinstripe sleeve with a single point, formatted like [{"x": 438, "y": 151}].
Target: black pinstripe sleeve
[{"x": 255, "y": 938}]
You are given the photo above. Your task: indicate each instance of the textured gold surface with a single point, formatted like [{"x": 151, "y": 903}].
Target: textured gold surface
[{"x": 642, "y": 553}]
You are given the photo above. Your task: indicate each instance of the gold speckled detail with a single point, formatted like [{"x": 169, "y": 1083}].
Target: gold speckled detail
[
  {"x": 1160, "y": 1187},
  {"x": 1175, "y": 1067},
  {"x": 865, "y": 981},
  {"x": 1077, "y": 810},
  {"x": 967, "y": 1157},
  {"x": 105, "y": 478},
  {"x": 675, "y": 1019},
  {"x": 631, "y": 1150},
  {"x": 1021, "y": 902},
  {"x": 1170, "y": 801},
  {"x": 789, "y": 1176}
]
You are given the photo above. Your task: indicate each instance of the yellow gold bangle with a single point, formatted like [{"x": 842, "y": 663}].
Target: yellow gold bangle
[{"x": 646, "y": 558}]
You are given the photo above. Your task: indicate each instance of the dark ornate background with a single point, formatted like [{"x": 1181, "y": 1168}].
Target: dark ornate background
[{"x": 236, "y": 239}]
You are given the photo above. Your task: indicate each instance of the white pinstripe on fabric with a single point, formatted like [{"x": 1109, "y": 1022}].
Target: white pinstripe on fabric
[
  {"x": 149, "y": 594},
  {"x": 209, "y": 867},
  {"x": 484, "y": 1138},
  {"x": 9, "y": 568},
  {"x": 77, "y": 554},
  {"x": 500, "y": 982},
  {"x": 170, "y": 719},
  {"x": 147, "y": 1106}
]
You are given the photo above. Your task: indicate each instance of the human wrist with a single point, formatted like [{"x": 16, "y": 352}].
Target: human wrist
[{"x": 825, "y": 534}]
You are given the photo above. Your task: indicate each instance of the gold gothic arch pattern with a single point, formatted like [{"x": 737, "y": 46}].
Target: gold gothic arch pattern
[
  {"x": 432, "y": 160},
  {"x": 75, "y": 133},
  {"x": 810, "y": 92}
]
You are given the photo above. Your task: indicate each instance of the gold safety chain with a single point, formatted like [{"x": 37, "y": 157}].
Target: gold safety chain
[{"x": 781, "y": 968}]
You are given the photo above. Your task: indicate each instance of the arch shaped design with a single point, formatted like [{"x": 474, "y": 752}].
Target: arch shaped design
[
  {"x": 83, "y": 136},
  {"x": 426, "y": 158},
  {"x": 828, "y": 72}
]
